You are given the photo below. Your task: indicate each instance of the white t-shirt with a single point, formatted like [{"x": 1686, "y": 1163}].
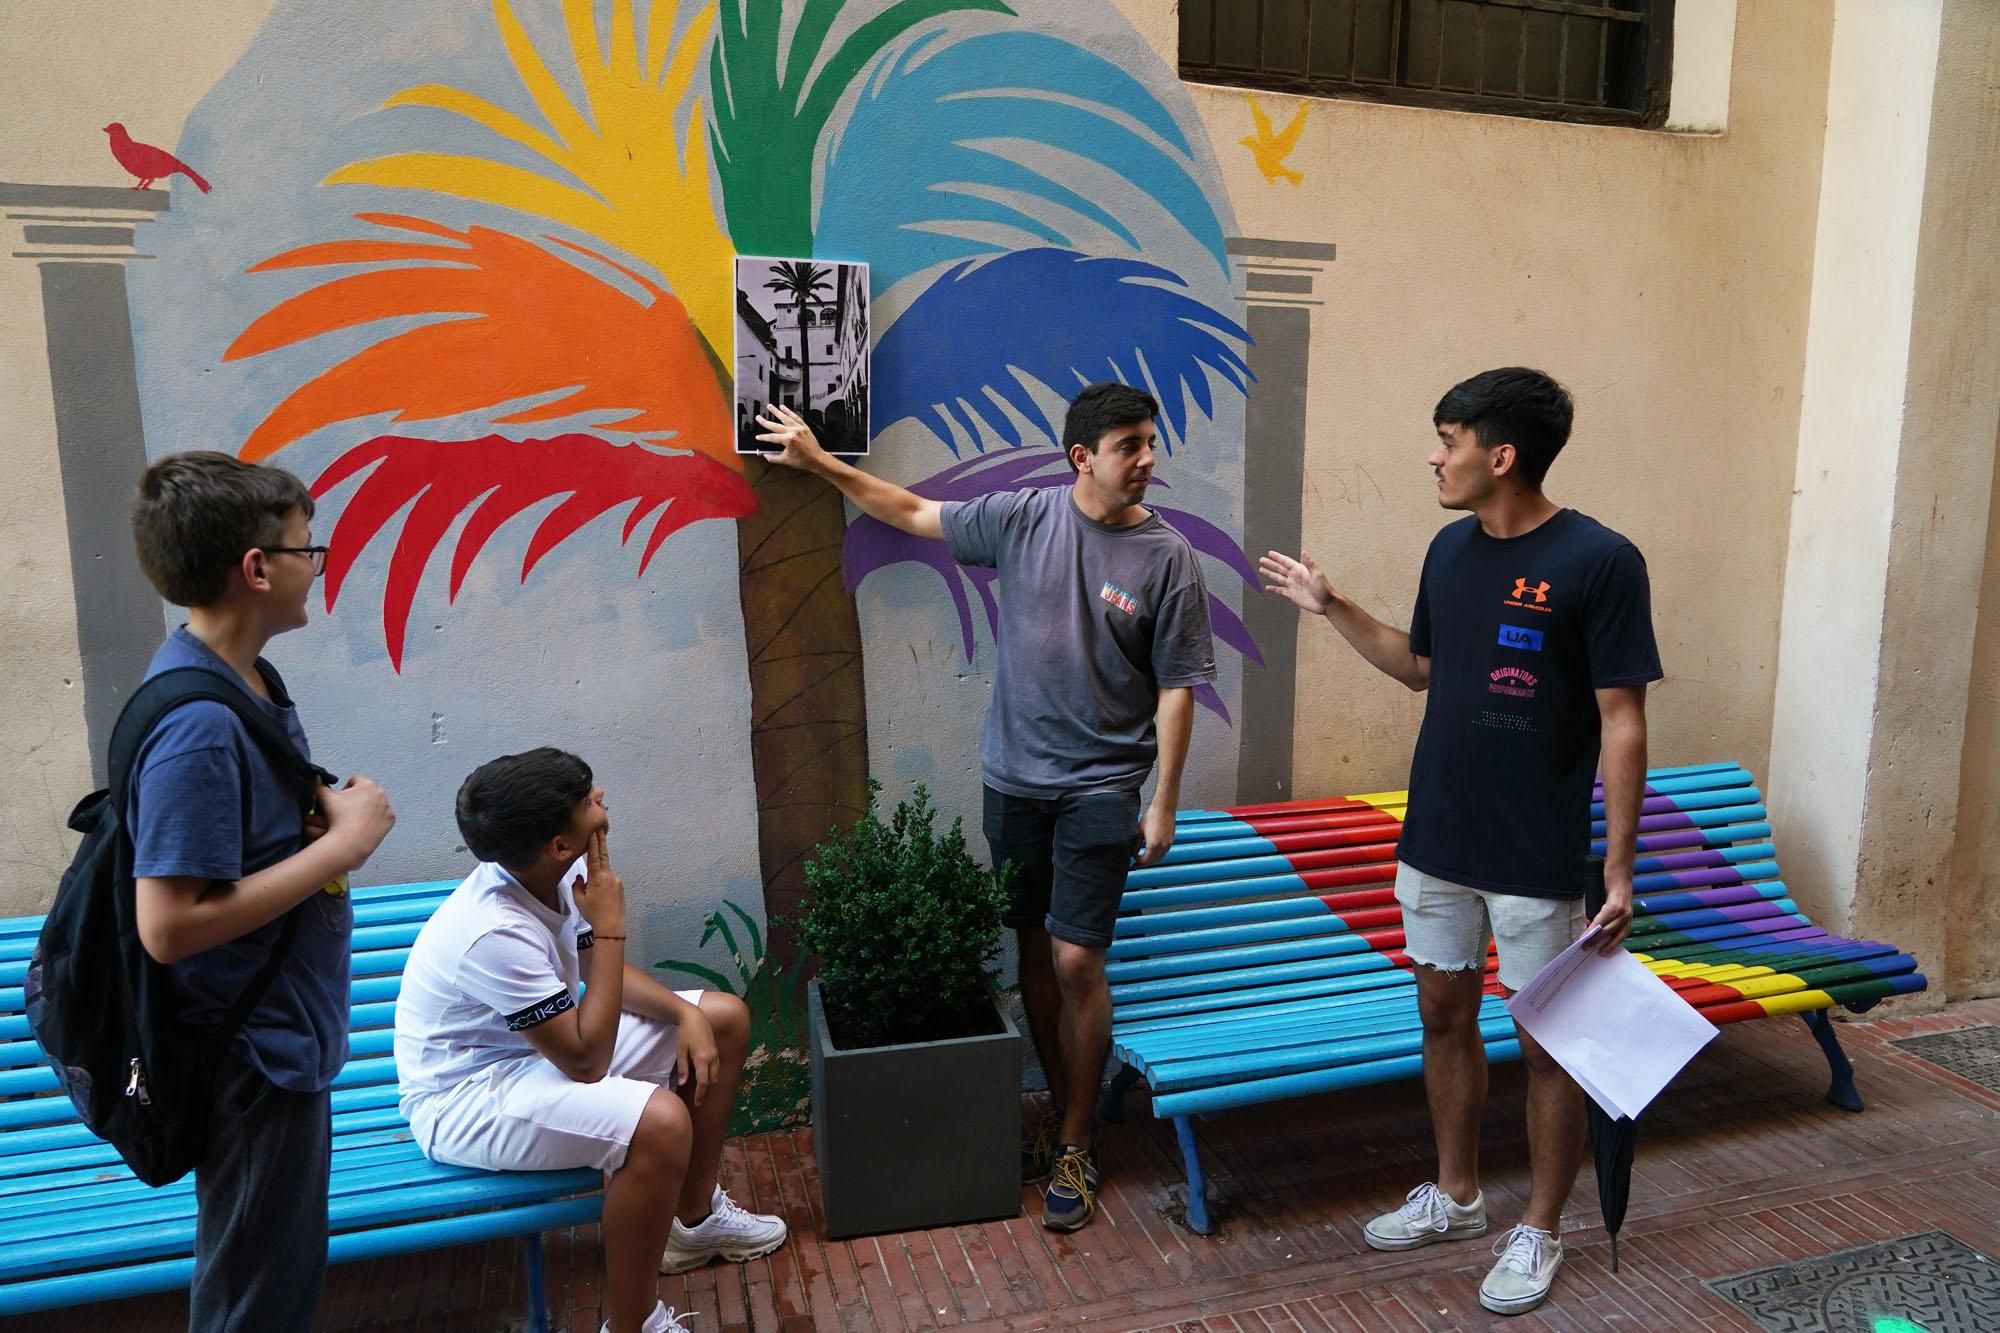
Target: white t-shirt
[{"x": 490, "y": 963}]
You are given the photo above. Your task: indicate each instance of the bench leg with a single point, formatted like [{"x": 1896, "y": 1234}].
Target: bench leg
[
  {"x": 538, "y": 1296},
  {"x": 1112, "y": 1108},
  {"x": 1842, "y": 1093},
  {"x": 1197, "y": 1184}
]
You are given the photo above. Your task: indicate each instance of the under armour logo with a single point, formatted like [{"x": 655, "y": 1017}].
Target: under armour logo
[{"x": 1522, "y": 592}]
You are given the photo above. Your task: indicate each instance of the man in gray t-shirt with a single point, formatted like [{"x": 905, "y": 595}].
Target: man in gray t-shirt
[{"x": 1103, "y": 634}]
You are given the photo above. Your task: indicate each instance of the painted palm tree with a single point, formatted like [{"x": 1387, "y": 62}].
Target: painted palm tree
[
  {"x": 604, "y": 311},
  {"x": 803, "y": 281}
]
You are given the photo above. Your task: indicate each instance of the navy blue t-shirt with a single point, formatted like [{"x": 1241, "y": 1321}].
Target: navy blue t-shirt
[
  {"x": 1520, "y": 632},
  {"x": 208, "y": 802}
]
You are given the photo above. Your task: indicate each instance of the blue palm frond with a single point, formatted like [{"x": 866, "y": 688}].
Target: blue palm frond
[
  {"x": 965, "y": 148},
  {"x": 1062, "y": 319}
]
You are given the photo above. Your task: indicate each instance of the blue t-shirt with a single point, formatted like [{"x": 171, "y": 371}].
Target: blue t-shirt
[
  {"x": 1521, "y": 633},
  {"x": 208, "y": 802}
]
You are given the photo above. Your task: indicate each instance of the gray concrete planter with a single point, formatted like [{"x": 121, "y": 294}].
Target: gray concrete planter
[{"x": 923, "y": 1135}]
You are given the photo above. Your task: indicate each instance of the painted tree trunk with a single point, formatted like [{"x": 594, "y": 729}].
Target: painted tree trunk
[{"x": 809, "y": 724}]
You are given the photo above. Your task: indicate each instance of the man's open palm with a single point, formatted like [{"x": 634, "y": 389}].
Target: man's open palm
[{"x": 1298, "y": 581}]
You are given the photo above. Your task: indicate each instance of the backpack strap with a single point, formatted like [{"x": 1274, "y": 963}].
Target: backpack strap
[
  {"x": 150, "y": 703},
  {"x": 167, "y": 691}
]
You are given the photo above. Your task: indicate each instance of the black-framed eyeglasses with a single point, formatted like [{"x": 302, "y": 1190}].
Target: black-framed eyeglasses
[{"x": 316, "y": 554}]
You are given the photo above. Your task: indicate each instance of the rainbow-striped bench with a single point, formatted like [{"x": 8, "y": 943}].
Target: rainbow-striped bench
[{"x": 1263, "y": 958}]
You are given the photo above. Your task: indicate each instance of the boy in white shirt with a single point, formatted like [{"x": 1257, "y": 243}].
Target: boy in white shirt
[{"x": 525, "y": 1041}]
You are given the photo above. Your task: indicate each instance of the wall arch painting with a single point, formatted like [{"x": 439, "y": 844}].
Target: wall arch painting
[{"x": 467, "y": 269}]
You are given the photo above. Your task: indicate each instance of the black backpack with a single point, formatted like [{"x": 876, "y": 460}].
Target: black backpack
[{"x": 97, "y": 1001}]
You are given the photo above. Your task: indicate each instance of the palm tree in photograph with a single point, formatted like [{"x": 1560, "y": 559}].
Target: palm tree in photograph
[{"x": 802, "y": 281}]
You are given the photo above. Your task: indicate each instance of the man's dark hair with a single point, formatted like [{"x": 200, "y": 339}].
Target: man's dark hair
[
  {"x": 1517, "y": 406},
  {"x": 509, "y": 807},
  {"x": 198, "y": 512},
  {"x": 1100, "y": 408}
]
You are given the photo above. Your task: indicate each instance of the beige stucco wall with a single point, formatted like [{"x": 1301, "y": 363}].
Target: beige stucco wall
[
  {"x": 41, "y": 690},
  {"x": 1955, "y": 420},
  {"x": 159, "y": 59},
  {"x": 1663, "y": 277},
  {"x": 78, "y": 65},
  {"x": 1972, "y": 907}
]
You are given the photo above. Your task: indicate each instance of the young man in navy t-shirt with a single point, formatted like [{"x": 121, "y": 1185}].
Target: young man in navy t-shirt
[
  {"x": 223, "y": 851},
  {"x": 1533, "y": 635}
]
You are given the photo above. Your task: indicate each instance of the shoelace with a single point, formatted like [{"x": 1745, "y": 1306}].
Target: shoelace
[
  {"x": 1070, "y": 1174},
  {"x": 1521, "y": 1249},
  {"x": 674, "y": 1324},
  {"x": 726, "y": 1208},
  {"x": 1425, "y": 1204}
]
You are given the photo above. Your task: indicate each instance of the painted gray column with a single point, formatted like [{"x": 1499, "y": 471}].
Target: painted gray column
[
  {"x": 1277, "y": 285},
  {"x": 81, "y": 238}
]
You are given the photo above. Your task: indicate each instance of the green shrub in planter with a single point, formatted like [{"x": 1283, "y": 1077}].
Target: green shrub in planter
[{"x": 905, "y": 925}]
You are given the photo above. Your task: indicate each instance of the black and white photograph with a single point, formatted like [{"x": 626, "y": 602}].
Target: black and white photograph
[{"x": 802, "y": 340}]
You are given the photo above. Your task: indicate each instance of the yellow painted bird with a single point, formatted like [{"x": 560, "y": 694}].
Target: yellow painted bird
[{"x": 1271, "y": 149}]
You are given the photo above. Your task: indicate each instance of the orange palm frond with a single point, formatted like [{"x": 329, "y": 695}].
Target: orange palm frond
[
  {"x": 511, "y": 322},
  {"x": 493, "y": 479}
]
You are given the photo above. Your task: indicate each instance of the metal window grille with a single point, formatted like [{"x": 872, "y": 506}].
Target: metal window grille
[{"x": 1602, "y": 61}]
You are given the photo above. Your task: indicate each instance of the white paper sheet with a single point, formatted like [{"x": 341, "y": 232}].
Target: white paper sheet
[{"x": 1619, "y": 1030}]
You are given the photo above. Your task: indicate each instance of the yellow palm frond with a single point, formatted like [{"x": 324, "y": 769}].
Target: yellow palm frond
[{"x": 643, "y": 193}]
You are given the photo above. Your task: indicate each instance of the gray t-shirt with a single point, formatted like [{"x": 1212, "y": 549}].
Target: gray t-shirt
[{"x": 1094, "y": 622}]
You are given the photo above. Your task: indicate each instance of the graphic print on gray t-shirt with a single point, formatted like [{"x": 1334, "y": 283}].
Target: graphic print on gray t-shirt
[{"x": 1094, "y": 622}]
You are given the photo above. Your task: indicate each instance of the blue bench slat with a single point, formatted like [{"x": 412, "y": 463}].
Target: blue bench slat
[
  {"x": 1263, "y": 909},
  {"x": 1204, "y": 1101},
  {"x": 1251, "y": 1030},
  {"x": 175, "y": 1235},
  {"x": 1358, "y": 962},
  {"x": 167, "y": 1275},
  {"x": 1379, "y": 1044},
  {"x": 94, "y": 1184},
  {"x": 1291, "y": 927},
  {"x": 1196, "y": 891},
  {"x": 92, "y": 1221},
  {"x": 1249, "y": 955},
  {"x": 1255, "y": 1003},
  {"x": 1140, "y": 1016}
]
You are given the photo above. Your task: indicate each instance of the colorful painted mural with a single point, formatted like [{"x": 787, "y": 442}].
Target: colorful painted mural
[{"x": 473, "y": 281}]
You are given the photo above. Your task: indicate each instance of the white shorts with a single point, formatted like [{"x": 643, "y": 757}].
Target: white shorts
[
  {"x": 1446, "y": 926},
  {"x": 524, "y": 1114}
]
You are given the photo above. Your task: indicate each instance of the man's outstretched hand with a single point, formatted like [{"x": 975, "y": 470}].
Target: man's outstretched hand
[
  {"x": 797, "y": 445},
  {"x": 1299, "y": 581}
]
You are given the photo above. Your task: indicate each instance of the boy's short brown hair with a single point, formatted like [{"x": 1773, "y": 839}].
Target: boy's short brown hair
[{"x": 198, "y": 512}]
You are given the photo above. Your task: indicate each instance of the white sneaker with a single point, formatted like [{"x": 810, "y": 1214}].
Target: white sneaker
[
  {"x": 1427, "y": 1214},
  {"x": 729, "y": 1232},
  {"x": 662, "y": 1320},
  {"x": 1529, "y": 1258}
]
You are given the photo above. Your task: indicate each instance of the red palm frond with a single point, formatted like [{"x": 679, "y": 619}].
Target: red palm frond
[{"x": 495, "y": 479}]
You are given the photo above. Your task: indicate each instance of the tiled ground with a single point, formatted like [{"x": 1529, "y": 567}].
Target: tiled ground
[{"x": 1741, "y": 1166}]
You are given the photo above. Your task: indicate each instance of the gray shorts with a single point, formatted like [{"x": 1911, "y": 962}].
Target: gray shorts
[{"x": 1446, "y": 926}]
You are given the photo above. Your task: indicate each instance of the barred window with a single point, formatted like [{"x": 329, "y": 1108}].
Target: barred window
[{"x": 1604, "y": 61}]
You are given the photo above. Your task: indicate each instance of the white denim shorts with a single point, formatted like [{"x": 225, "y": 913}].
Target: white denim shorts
[
  {"x": 1446, "y": 926},
  {"x": 524, "y": 1114}
]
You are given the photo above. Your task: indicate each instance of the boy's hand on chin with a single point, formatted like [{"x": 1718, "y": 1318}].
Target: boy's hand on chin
[{"x": 600, "y": 894}]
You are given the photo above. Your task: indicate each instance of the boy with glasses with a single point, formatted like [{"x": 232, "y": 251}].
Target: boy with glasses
[{"x": 227, "y": 866}]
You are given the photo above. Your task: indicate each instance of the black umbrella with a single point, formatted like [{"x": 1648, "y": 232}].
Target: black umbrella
[{"x": 1612, "y": 1138}]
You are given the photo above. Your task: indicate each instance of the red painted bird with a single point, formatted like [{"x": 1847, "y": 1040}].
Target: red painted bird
[{"x": 147, "y": 162}]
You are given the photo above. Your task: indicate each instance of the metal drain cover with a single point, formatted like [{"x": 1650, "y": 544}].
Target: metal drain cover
[
  {"x": 1929, "y": 1283},
  {"x": 1969, "y": 1052}
]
